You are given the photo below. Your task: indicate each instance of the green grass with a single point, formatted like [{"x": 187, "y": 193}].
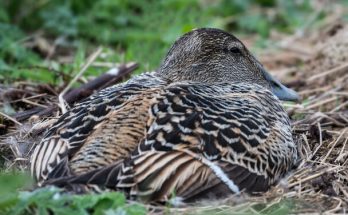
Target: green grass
[
  {"x": 140, "y": 31},
  {"x": 50, "y": 200}
]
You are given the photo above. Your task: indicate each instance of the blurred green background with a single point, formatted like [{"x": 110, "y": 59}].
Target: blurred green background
[{"x": 128, "y": 30}]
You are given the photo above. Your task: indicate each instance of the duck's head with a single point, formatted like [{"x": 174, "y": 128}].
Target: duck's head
[{"x": 211, "y": 55}]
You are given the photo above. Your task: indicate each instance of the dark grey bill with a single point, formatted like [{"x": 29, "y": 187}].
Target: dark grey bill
[{"x": 281, "y": 91}]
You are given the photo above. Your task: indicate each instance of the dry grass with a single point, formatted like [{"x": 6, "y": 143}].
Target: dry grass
[{"x": 318, "y": 70}]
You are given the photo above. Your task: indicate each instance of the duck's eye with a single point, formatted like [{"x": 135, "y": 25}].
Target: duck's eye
[{"x": 235, "y": 50}]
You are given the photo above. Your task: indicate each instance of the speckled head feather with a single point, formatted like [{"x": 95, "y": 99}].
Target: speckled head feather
[
  {"x": 211, "y": 55},
  {"x": 204, "y": 126}
]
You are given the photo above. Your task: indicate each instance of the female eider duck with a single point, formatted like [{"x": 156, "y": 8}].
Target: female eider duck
[{"x": 208, "y": 123}]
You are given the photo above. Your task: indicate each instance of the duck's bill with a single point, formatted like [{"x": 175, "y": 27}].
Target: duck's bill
[{"x": 281, "y": 91}]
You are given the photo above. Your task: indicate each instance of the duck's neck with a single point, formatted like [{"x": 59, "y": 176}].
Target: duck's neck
[{"x": 195, "y": 72}]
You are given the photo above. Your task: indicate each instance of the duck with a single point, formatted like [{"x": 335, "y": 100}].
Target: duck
[{"x": 208, "y": 123}]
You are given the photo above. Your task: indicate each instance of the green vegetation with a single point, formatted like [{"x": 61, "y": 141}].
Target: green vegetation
[
  {"x": 51, "y": 201},
  {"x": 132, "y": 30}
]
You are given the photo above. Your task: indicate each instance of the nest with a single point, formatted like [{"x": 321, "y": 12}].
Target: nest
[
  {"x": 321, "y": 125},
  {"x": 318, "y": 70}
]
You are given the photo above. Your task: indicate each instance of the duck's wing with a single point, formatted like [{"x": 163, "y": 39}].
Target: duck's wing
[
  {"x": 93, "y": 124},
  {"x": 204, "y": 141}
]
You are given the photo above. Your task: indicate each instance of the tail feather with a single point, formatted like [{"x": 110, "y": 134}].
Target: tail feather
[
  {"x": 106, "y": 177},
  {"x": 189, "y": 178}
]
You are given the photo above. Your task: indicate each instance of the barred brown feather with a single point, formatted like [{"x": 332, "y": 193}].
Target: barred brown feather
[{"x": 164, "y": 134}]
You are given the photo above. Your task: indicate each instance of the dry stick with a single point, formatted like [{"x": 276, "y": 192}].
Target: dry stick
[
  {"x": 30, "y": 97},
  {"x": 345, "y": 162},
  {"x": 62, "y": 102},
  {"x": 317, "y": 117},
  {"x": 327, "y": 164},
  {"x": 313, "y": 176},
  {"x": 333, "y": 145},
  {"x": 324, "y": 95},
  {"x": 339, "y": 107},
  {"x": 307, "y": 147},
  {"x": 320, "y": 142},
  {"x": 321, "y": 103},
  {"x": 338, "y": 207},
  {"x": 320, "y": 89},
  {"x": 34, "y": 103},
  {"x": 335, "y": 119},
  {"x": 342, "y": 150},
  {"x": 14, "y": 162},
  {"x": 128, "y": 67},
  {"x": 300, "y": 173},
  {"x": 10, "y": 118},
  {"x": 336, "y": 69},
  {"x": 105, "y": 80},
  {"x": 341, "y": 80},
  {"x": 333, "y": 132},
  {"x": 105, "y": 64},
  {"x": 298, "y": 106},
  {"x": 340, "y": 93},
  {"x": 343, "y": 117},
  {"x": 345, "y": 193}
]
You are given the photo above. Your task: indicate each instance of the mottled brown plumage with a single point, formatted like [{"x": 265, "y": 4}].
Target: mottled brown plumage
[{"x": 206, "y": 124}]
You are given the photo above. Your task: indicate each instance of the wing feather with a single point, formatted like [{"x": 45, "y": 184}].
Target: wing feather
[
  {"x": 78, "y": 126},
  {"x": 203, "y": 140}
]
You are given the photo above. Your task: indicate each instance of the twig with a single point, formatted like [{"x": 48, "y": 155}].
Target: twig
[
  {"x": 30, "y": 97},
  {"x": 10, "y": 118},
  {"x": 107, "y": 79},
  {"x": 342, "y": 150},
  {"x": 321, "y": 103},
  {"x": 315, "y": 90},
  {"x": 338, "y": 207},
  {"x": 324, "y": 95},
  {"x": 333, "y": 145},
  {"x": 320, "y": 142},
  {"x": 313, "y": 176},
  {"x": 62, "y": 102},
  {"x": 336, "y": 69},
  {"x": 33, "y": 103},
  {"x": 105, "y": 64},
  {"x": 339, "y": 107},
  {"x": 340, "y": 93}
]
